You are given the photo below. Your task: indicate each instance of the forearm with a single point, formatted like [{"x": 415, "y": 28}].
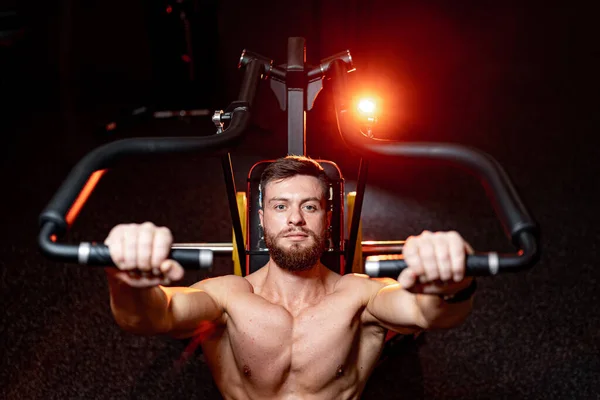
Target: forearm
[
  {"x": 137, "y": 310},
  {"x": 439, "y": 314}
]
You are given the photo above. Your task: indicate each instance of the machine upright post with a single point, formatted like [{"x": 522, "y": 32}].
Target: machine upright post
[{"x": 296, "y": 96}]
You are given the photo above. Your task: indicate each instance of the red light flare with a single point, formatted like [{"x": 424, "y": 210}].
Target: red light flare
[
  {"x": 83, "y": 196},
  {"x": 81, "y": 199}
]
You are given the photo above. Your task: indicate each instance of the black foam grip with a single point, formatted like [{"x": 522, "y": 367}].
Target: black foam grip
[
  {"x": 188, "y": 258},
  {"x": 100, "y": 256},
  {"x": 392, "y": 266}
]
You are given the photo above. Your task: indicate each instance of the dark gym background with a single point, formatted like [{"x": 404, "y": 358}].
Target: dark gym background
[{"x": 517, "y": 80}]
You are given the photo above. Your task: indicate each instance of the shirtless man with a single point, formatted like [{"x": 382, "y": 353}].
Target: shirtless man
[{"x": 293, "y": 329}]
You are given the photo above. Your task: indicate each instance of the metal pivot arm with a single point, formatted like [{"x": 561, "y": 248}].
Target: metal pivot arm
[
  {"x": 79, "y": 183},
  {"x": 296, "y": 86},
  {"x": 518, "y": 225}
]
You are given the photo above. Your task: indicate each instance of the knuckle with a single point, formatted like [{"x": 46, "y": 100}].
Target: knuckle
[
  {"x": 116, "y": 232},
  {"x": 118, "y": 228},
  {"x": 163, "y": 231},
  {"x": 426, "y": 233},
  {"x": 454, "y": 234},
  {"x": 144, "y": 241},
  {"x": 129, "y": 230},
  {"x": 163, "y": 236},
  {"x": 455, "y": 238},
  {"x": 441, "y": 237}
]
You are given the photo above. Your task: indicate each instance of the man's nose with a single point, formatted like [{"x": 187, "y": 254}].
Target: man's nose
[{"x": 296, "y": 218}]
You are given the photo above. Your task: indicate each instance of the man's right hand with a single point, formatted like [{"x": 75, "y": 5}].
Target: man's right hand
[{"x": 140, "y": 254}]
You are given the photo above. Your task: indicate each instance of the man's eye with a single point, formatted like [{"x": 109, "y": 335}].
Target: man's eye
[
  {"x": 280, "y": 207},
  {"x": 311, "y": 208}
]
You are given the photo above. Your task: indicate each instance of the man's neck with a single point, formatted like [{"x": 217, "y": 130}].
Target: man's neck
[{"x": 294, "y": 290}]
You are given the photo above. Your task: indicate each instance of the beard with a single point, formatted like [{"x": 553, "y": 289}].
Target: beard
[{"x": 299, "y": 256}]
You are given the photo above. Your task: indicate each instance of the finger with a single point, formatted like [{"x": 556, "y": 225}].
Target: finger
[
  {"x": 111, "y": 235},
  {"x": 161, "y": 246},
  {"x": 130, "y": 246},
  {"x": 145, "y": 241},
  {"x": 407, "y": 279},
  {"x": 172, "y": 270},
  {"x": 456, "y": 246},
  {"x": 442, "y": 256},
  {"x": 136, "y": 280},
  {"x": 468, "y": 248},
  {"x": 427, "y": 254},
  {"x": 410, "y": 252},
  {"x": 114, "y": 241}
]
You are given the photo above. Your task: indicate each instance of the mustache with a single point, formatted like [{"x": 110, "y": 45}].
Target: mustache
[{"x": 297, "y": 230}]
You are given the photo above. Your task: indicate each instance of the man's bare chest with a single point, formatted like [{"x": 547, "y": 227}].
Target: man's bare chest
[{"x": 272, "y": 344}]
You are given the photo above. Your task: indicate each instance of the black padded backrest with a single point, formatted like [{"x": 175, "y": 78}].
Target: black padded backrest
[{"x": 257, "y": 254}]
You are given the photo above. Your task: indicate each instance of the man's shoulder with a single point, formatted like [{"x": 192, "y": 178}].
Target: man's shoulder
[
  {"x": 362, "y": 284},
  {"x": 225, "y": 283},
  {"x": 359, "y": 280}
]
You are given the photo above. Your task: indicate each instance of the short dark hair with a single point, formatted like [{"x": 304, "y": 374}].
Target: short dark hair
[{"x": 290, "y": 166}]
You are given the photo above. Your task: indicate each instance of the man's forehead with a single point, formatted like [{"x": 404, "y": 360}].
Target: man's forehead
[{"x": 298, "y": 184}]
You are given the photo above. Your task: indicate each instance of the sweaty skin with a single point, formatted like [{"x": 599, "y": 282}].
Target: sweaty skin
[{"x": 322, "y": 349}]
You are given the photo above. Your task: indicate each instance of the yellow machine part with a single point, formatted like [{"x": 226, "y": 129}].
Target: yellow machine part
[
  {"x": 357, "y": 265},
  {"x": 242, "y": 204}
]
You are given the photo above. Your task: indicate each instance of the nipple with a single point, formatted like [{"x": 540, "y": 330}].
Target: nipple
[
  {"x": 247, "y": 372},
  {"x": 340, "y": 371}
]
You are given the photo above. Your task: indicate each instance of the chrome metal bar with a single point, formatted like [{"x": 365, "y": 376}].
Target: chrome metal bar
[
  {"x": 369, "y": 247},
  {"x": 218, "y": 248},
  {"x": 376, "y": 247}
]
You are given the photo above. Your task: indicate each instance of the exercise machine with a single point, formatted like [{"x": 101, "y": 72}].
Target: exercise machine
[{"x": 296, "y": 85}]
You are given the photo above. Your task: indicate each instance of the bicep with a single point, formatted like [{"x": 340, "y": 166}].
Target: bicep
[
  {"x": 188, "y": 308},
  {"x": 205, "y": 301},
  {"x": 394, "y": 308}
]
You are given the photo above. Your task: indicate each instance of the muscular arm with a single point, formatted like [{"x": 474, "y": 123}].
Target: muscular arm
[
  {"x": 177, "y": 311},
  {"x": 435, "y": 266},
  {"x": 402, "y": 311},
  {"x": 140, "y": 305}
]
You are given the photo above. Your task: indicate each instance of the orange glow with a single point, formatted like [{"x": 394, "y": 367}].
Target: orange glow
[
  {"x": 367, "y": 106},
  {"x": 83, "y": 196},
  {"x": 367, "y": 109}
]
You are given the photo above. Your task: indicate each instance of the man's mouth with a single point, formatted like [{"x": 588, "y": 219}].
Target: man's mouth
[{"x": 296, "y": 235}]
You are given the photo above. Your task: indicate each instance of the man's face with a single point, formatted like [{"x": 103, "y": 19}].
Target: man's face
[{"x": 295, "y": 220}]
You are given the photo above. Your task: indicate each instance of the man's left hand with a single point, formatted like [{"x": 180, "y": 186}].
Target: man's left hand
[{"x": 435, "y": 263}]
